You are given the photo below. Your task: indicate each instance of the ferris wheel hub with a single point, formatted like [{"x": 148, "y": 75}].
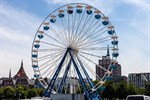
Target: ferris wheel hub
[{"x": 73, "y": 49}]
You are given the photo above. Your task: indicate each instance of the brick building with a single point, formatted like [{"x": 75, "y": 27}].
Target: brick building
[{"x": 105, "y": 62}]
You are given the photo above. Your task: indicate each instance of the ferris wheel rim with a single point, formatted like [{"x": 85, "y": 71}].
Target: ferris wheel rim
[{"x": 55, "y": 11}]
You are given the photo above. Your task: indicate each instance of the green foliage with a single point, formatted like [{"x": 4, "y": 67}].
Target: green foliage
[
  {"x": 32, "y": 93},
  {"x": 1, "y": 92},
  {"x": 141, "y": 91},
  {"x": 113, "y": 90},
  {"x": 121, "y": 90},
  {"x": 147, "y": 88},
  {"x": 131, "y": 89},
  {"x": 110, "y": 90},
  {"x": 79, "y": 89},
  {"x": 8, "y": 92},
  {"x": 19, "y": 92},
  {"x": 40, "y": 92}
]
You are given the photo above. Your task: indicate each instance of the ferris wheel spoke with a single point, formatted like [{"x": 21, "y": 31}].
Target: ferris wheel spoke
[
  {"x": 73, "y": 25},
  {"x": 61, "y": 34},
  {"x": 56, "y": 34},
  {"x": 51, "y": 55},
  {"x": 89, "y": 69},
  {"x": 52, "y": 44},
  {"x": 69, "y": 30},
  {"x": 54, "y": 39},
  {"x": 89, "y": 28},
  {"x": 48, "y": 50},
  {"x": 91, "y": 35},
  {"x": 66, "y": 29},
  {"x": 94, "y": 63},
  {"x": 53, "y": 64},
  {"x": 65, "y": 33},
  {"x": 95, "y": 48},
  {"x": 51, "y": 73},
  {"x": 96, "y": 41},
  {"x": 90, "y": 54},
  {"x": 48, "y": 57},
  {"x": 84, "y": 25},
  {"x": 80, "y": 34},
  {"x": 50, "y": 60},
  {"x": 49, "y": 65},
  {"x": 79, "y": 23},
  {"x": 89, "y": 45}
]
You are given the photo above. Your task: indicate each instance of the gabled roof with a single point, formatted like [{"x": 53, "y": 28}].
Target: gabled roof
[{"x": 21, "y": 73}]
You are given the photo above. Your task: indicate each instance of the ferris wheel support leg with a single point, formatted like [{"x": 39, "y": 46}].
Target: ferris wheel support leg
[
  {"x": 52, "y": 81},
  {"x": 64, "y": 77},
  {"x": 80, "y": 76},
  {"x": 93, "y": 95}
]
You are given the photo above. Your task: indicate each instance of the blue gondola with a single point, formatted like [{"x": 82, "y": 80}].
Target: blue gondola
[
  {"x": 79, "y": 11},
  {"x": 34, "y": 55},
  {"x": 105, "y": 22},
  {"x": 97, "y": 16},
  {"x": 61, "y": 15},
  {"x": 111, "y": 32},
  {"x": 40, "y": 36},
  {"x": 36, "y": 75},
  {"x": 36, "y": 45},
  {"x": 34, "y": 66},
  {"x": 114, "y": 42},
  {"x": 70, "y": 11},
  {"x": 53, "y": 20},
  {"x": 46, "y": 27},
  {"x": 89, "y": 12},
  {"x": 115, "y": 54}
]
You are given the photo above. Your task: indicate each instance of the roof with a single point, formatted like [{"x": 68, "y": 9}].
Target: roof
[{"x": 21, "y": 73}]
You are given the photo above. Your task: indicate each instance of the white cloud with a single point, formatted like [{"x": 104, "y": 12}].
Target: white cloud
[
  {"x": 143, "y": 4},
  {"x": 17, "y": 30},
  {"x": 105, "y": 6}
]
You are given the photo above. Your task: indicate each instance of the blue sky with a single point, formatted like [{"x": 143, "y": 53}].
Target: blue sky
[{"x": 20, "y": 19}]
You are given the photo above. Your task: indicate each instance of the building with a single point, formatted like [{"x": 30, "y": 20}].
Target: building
[
  {"x": 105, "y": 62},
  {"x": 139, "y": 79},
  {"x": 19, "y": 79}
]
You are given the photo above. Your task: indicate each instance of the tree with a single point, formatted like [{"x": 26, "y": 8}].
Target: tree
[
  {"x": 40, "y": 91},
  {"x": 147, "y": 86},
  {"x": 8, "y": 92},
  {"x": 109, "y": 91},
  {"x": 141, "y": 91},
  {"x": 1, "y": 93},
  {"x": 121, "y": 90},
  {"x": 21, "y": 92},
  {"x": 131, "y": 89},
  {"x": 32, "y": 93}
]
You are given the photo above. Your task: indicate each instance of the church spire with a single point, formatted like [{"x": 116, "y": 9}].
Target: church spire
[
  {"x": 10, "y": 73},
  {"x": 22, "y": 63},
  {"x": 108, "y": 51}
]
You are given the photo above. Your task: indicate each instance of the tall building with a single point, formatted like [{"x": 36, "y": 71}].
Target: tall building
[
  {"x": 105, "y": 62},
  {"x": 139, "y": 79}
]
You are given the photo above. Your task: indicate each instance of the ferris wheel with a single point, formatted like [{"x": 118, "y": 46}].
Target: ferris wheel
[{"x": 69, "y": 43}]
